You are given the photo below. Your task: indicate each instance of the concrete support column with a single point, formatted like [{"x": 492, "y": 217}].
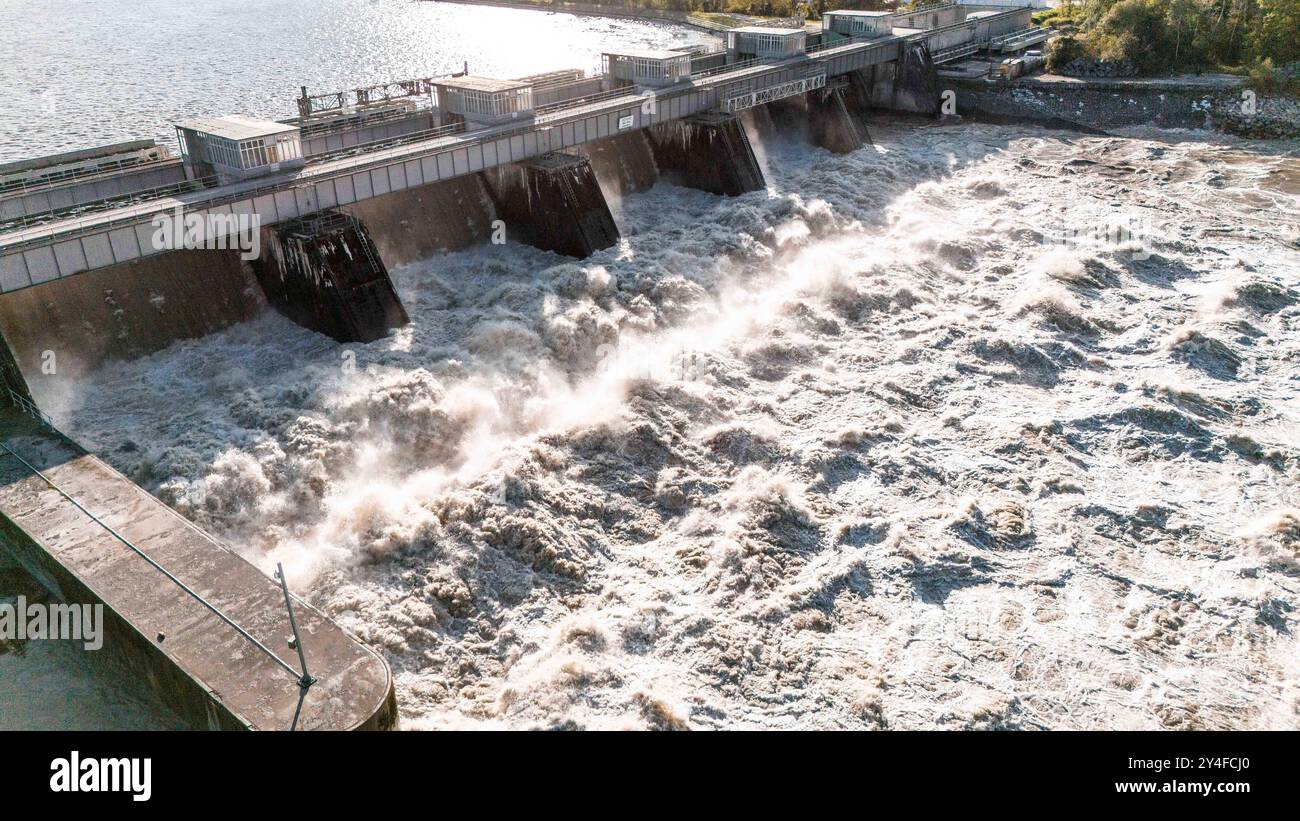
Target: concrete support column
[
  {"x": 837, "y": 119},
  {"x": 909, "y": 84},
  {"x": 710, "y": 152},
  {"x": 553, "y": 202},
  {"x": 834, "y": 118},
  {"x": 324, "y": 273}
]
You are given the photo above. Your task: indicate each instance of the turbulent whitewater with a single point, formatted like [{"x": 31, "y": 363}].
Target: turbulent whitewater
[{"x": 977, "y": 427}]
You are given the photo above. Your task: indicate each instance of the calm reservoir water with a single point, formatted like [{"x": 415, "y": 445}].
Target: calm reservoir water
[{"x": 83, "y": 73}]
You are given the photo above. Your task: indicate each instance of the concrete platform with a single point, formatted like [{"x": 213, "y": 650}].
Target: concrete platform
[{"x": 157, "y": 635}]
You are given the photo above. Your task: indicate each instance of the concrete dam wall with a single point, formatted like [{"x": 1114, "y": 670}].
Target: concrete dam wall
[
  {"x": 419, "y": 222},
  {"x": 556, "y": 202},
  {"x": 624, "y": 164},
  {"x": 125, "y": 311}
]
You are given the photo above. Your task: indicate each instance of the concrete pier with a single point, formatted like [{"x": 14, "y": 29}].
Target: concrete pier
[
  {"x": 156, "y": 635},
  {"x": 909, "y": 84},
  {"x": 837, "y": 118},
  {"x": 554, "y": 203},
  {"x": 418, "y": 222},
  {"x": 710, "y": 152},
  {"x": 324, "y": 273}
]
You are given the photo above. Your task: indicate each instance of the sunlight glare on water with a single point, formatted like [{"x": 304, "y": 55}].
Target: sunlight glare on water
[{"x": 84, "y": 74}]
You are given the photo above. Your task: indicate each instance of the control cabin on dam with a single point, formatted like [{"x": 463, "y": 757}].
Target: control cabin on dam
[
  {"x": 654, "y": 68},
  {"x": 947, "y": 27},
  {"x": 481, "y": 101},
  {"x": 234, "y": 148},
  {"x": 855, "y": 23},
  {"x": 766, "y": 43}
]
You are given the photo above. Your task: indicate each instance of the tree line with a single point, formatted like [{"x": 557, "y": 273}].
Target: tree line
[{"x": 1178, "y": 35}]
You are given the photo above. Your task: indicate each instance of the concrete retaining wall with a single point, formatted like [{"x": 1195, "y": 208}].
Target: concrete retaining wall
[
  {"x": 1095, "y": 105},
  {"x": 108, "y": 185},
  {"x": 126, "y": 310},
  {"x": 129, "y": 655},
  {"x": 156, "y": 635},
  {"x": 1003, "y": 23}
]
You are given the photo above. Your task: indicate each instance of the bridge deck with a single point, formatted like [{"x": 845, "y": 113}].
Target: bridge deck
[
  {"x": 117, "y": 232},
  {"x": 36, "y": 254}
]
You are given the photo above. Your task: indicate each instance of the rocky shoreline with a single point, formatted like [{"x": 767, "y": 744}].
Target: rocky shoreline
[
  {"x": 1272, "y": 118},
  {"x": 1218, "y": 102}
]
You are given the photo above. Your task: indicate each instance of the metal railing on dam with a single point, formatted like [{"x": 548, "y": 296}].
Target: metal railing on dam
[
  {"x": 33, "y": 255},
  {"x": 109, "y": 203},
  {"x": 302, "y": 678},
  {"x": 186, "y": 617}
]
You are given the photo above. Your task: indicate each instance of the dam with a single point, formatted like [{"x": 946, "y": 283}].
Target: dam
[{"x": 360, "y": 184}]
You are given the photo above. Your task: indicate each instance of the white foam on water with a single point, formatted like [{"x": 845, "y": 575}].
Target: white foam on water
[{"x": 872, "y": 448}]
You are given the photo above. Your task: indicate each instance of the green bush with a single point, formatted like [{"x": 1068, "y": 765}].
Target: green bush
[
  {"x": 1262, "y": 75},
  {"x": 1135, "y": 30},
  {"x": 1277, "y": 37},
  {"x": 1265, "y": 77},
  {"x": 1061, "y": 51},
  {"x": 1066, "y": 19}
]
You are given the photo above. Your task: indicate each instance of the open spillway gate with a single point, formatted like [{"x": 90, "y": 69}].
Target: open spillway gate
[{"x": 88, "y": 241}]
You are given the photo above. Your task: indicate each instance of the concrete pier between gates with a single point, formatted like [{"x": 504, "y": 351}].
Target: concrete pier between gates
[
  {"x": 554, "y": 203},
  {"x": 325, "y": 274},
  {"x": 710, "y": 152}
]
